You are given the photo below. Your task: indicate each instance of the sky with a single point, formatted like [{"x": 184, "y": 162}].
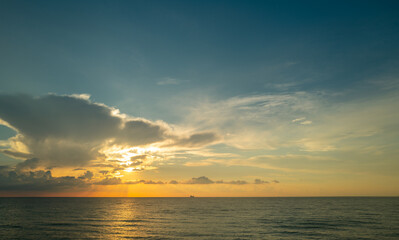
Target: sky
[{"x": 204, "y": 98}]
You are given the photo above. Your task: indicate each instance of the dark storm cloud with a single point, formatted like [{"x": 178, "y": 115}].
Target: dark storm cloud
[
  {"x": 67, "y": 130},
  {"x": 15, "y": 154},
  {"x": 38, "y": 181},
  {"x": 60, "y": 152},
  {"x": 70, "y": 130},
  {"x": 3, "y": 168},
  {"x": 59, "y": 117},
  {"x": 28, "y": 164},
  {"x": 140, "y": 132}
]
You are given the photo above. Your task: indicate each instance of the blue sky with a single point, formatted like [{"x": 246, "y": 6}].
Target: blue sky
[
  {"x": 124, "y": 48},
  {"x": 269, "y": 78}
]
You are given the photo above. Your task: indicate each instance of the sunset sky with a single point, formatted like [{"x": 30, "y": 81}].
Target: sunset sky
[{"x": 204, "y": 98}]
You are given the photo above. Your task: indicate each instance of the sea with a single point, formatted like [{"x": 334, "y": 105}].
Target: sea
[{"x": 200, "y": 218}]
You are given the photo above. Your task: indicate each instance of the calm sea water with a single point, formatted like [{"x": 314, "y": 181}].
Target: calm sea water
[{"x": 199, "y": 218}]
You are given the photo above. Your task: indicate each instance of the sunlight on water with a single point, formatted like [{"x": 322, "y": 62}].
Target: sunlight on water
[{"x": 199, "y": 218}]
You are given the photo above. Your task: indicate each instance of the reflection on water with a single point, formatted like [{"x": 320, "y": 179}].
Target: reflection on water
[{"x": 199, "y": 218}]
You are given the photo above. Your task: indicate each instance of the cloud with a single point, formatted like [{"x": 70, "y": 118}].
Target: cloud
[
  {"x": 138, "y": 157},
  {"x": 87, "y": 175},
  {"x": 117, "y": 169},
  {"x": 238, "y": 182},
  {"x": 144, "y": 182},
  {"x": 109, "y": 181},
  {"x": 299, "y": 119},
  {"x": 38, "y": 181},
  {"x": 235, "y": 182},
  {"x": 58, "y": 117},
  {"x": 103, "y": 165},
  {"x": 302, "y": 121},
  {"x": 285, "y": 163},
  {"x": 259, "y": 181},
  {"x": 3, "y": 168},
  {"x": 59, "y": 130},
  {"x": 140, "y": 132},
  {"x": 104, "y": 172},
  {"x": 169, "y": 81},
  {"x": 197, "y": 140},
  {"x": 152, "y": 182},
  {"x": 79, "y": 169},
  {"x": 323, "y": 120},
  {"x": 134, "y": 182},
  {"x": 253, "y": 122},
  {"x": 307, "y": 122},
  {"x": 71, "y": 130},
  {"x": 198, "y": 164},
  {"x": 28, "y": 164},
  {"x": 134, "y": 164},
  {"x": 200, "y": 180},
  {"x": 15, "y": 154},
  {"x": 21, "y": 178}
]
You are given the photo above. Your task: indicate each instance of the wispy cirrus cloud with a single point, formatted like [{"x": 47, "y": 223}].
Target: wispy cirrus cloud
[
  {"x": 305, "y": 121},
  {"x": 169, "y": 81}
]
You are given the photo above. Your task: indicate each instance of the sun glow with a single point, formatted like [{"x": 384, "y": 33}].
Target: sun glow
[
  {"x": 131, "y": 157},
  {"x": 131, "y": 169}
]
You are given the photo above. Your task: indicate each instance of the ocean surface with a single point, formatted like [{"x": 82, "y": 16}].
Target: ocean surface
[{"x": 199, "y": 218}]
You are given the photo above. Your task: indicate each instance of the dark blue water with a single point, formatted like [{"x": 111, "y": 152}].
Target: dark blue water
[{"x": 199, "y": 218}]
